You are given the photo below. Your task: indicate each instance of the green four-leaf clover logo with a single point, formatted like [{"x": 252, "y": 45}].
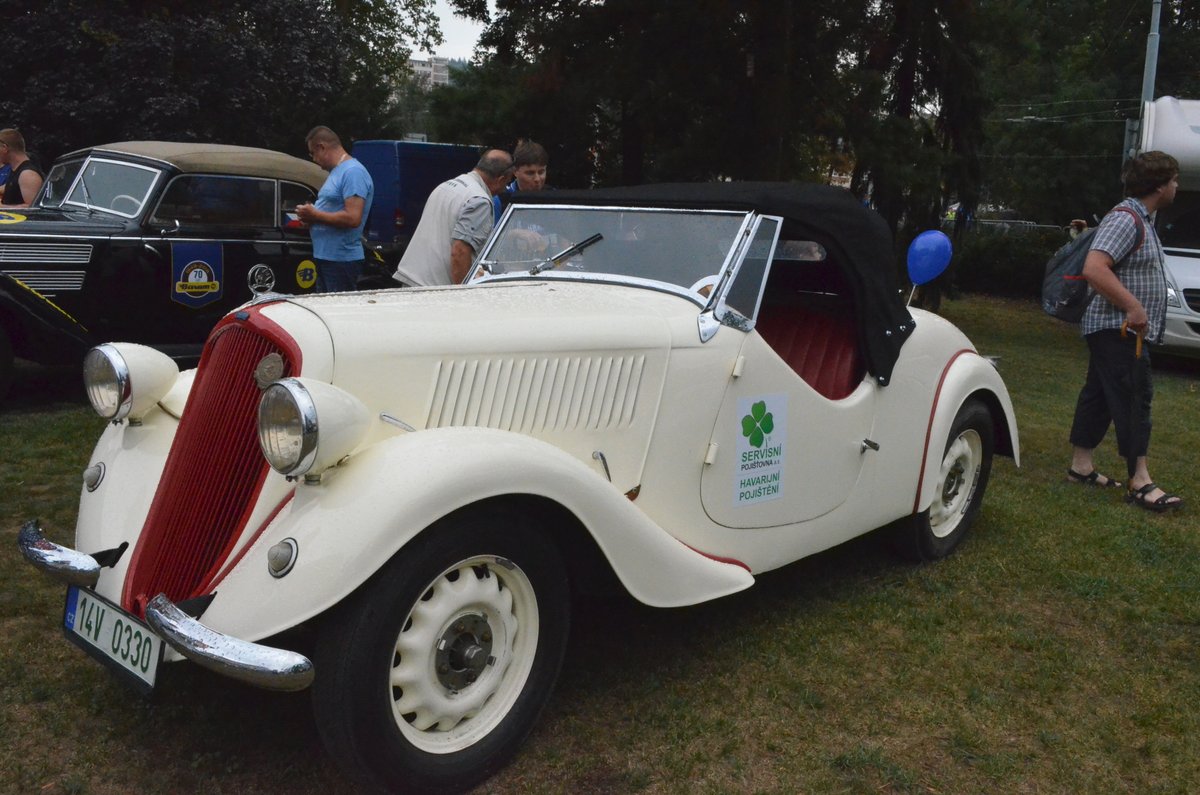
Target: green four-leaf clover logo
[{"x": 758, "y": 423}]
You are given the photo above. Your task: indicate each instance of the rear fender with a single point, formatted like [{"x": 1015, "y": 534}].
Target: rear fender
[
  {"x": 364, "y": 512},
  {"x": 966, "y": 375}
]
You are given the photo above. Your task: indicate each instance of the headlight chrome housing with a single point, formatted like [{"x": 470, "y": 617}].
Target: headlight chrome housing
[
  {"x": 306, "y": 426},
  {"x": 125, "y": 380}
]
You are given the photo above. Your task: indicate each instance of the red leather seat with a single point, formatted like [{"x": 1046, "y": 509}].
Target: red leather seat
[{"x": 821, "y": 347}]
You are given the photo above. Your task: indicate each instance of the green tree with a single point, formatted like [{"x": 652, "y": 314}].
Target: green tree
[
  {"x": 1064, "y": 77},
  {"x": 253, "y": 72}
]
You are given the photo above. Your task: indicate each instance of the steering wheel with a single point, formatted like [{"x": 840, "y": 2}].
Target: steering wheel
[
  {"x": 137, "y": 205},
  {"x": 705, "y": 286}
]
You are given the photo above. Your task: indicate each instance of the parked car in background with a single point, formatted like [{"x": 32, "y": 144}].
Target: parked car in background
[
  {"x": 149, "y": 242},
  {"x": 1173, "y": 126},
  {"x": 675, "y": 388},
  {"x": 405, "y": 173}
]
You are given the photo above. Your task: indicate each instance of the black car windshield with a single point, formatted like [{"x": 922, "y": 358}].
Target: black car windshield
[
  {"x": 58, "y": 182},
  {"x": 113, "y": 186},
  {"x": 679, "y": 247}
]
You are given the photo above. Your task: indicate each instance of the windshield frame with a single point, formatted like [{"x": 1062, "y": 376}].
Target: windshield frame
[
  {"x": 88, "y": 205},
  {"x": 479, "y": 273}
]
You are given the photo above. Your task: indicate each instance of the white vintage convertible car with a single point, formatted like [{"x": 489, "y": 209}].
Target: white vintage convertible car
[{"x": 676, "y": 387}]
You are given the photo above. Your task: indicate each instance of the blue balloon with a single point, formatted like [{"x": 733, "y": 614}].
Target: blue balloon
[{"x": 928, "y": 256}]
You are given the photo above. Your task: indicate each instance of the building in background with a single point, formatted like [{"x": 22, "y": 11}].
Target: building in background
[{"x": 431, "y": 72}]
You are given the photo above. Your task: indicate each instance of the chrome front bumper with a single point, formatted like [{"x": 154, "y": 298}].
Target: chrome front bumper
[
  {"x": 252, "y": 663},
  {"x": 61, "y": 563}
]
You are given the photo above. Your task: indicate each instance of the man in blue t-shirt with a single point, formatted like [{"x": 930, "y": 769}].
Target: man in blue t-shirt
[{"x": 340, "y": 212}]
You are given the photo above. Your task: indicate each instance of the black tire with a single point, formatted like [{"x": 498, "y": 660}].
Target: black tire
[
  {"x": 962, "y": 480},
  {"x": 7, "y": 366},
  {"x": 442, "y": 633}
]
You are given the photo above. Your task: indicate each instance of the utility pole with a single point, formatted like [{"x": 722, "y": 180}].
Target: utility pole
[{"x": 1133, "y": 126}]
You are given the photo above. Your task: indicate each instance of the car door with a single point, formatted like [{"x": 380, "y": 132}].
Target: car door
[
  {"x": 298, "y": 272},
  {"x": 781, "y": 452},
  {"x": 207, "y": 232}
]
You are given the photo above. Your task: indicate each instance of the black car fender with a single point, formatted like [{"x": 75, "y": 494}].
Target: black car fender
[{"x": 37, "y": 328}]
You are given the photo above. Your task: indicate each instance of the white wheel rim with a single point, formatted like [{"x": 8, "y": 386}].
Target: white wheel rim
[
  {"x": 441, "y": 711},
  {"x": 956, "y": 483}
]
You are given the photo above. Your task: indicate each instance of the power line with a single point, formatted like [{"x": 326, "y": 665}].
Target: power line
[
  {"x": 1029, "y": 119},
  {"x": 1060, "y": 102},
  {"x": 1050, "y": 157}
]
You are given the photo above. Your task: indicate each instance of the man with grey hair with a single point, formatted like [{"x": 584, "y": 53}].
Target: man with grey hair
[{"x": 454, "y": 224}]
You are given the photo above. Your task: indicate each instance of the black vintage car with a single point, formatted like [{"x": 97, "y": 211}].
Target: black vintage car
[{"x": 149, "y": 242}]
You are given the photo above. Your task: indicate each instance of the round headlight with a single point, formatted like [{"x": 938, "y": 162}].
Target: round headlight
[
  {"x": 287, "y": 427},
  {"x": 106, "y": 377},
  {"x": 127, "y": 380},
  {"x": 306, "y": 426}
]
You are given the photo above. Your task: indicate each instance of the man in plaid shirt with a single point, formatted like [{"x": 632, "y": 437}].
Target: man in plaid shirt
[{"x": 1124, "y": 268}]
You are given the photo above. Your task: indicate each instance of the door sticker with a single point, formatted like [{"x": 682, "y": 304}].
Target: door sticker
[
  {"x": 11, "y": 218},
  {"x": 758, "y": 473},
  {"x": 196, "y": 273},
  {"x": 306, "y": 274}
]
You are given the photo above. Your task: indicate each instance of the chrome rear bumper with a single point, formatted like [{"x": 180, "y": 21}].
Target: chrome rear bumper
[{"x": 252, "y": 663}]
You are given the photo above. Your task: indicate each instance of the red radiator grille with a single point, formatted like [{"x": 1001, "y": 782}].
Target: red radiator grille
[{"x": 212, "y": 476}]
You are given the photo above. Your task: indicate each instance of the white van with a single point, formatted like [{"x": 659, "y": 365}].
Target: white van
[{"x": 1173, "y": 126}]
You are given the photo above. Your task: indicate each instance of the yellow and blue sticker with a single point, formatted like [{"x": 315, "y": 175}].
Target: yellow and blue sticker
[
  {"x": 306, "y": 274},
  {"x": 197, "y": 271},
  {"x": 11, "y": 218}
]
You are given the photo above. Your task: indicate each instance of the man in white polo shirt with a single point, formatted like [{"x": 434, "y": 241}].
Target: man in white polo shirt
[{"x": 454, "y": 224}]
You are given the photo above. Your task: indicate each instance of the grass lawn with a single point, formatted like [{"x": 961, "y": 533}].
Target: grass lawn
[{"x": 1058, "y": 651}]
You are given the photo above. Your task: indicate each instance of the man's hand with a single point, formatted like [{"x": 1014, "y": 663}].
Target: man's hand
[
  {"x": 1137, "y": 320},
  {"x": 347, "y": 218}
]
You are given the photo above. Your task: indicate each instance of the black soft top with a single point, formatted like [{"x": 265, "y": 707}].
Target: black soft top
[{"x": 855, "y": 237}]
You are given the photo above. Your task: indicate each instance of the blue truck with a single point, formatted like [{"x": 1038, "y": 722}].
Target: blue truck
[{"x": 405, "y": 173}]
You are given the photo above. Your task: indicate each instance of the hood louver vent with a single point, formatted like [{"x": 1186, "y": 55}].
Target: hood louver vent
[{"x": 537, "y": 394}]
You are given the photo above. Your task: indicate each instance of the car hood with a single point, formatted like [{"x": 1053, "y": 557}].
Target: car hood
[
  {"x": 571, "y": 363},
  {"x": 53, "y": 222},
  {"x": 500, "y": 317}
]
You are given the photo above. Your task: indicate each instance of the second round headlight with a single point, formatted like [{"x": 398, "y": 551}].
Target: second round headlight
[{"x": 106, "y": 378}]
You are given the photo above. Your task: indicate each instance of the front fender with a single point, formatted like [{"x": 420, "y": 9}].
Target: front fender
[
  {"x": 39, "y": 330},
  {"x": 364, "y": 512},
  {"x": 966, "y": 375}
]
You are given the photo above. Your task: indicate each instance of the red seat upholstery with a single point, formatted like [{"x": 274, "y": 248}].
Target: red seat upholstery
[{"x": 821, "y": 347}]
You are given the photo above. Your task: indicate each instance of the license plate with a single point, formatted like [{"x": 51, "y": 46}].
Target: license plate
[{"x": 114, "y": 637}]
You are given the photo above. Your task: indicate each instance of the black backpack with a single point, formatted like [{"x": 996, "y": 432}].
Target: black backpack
[{"x": 1065, "y": 293}]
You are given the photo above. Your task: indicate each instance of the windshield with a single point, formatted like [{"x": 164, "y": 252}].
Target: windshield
[
  {"x": 113, "y": 186},
  {"x": 674, "y": 246},
  {"x": 58, "y": 181},
  {"x": 1179, "y": 224}
]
